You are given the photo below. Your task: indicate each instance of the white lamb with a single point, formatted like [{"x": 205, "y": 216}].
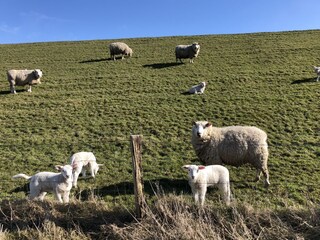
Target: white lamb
[
  {"x": 201, "y": 177},
  {"x": 58, "y": 183},
  {"x": 197, "y": 89},
  {"x": 317, "y": 71},
  {"x": 82, "y": 160}
]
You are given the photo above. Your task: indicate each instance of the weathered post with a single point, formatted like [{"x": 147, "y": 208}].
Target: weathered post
[{"x": 137, "y": 174}]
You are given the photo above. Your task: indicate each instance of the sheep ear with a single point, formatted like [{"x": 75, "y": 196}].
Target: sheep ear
[
  {"x": 185, "y": 167},
  {"x": 58, "y": 167},
  {"x": 201, "y": 167},
  {"x": 208, "y": 124},
  {"x": 194, "y": 123}
]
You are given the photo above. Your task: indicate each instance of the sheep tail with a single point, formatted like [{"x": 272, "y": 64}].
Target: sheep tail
[{"x": 21, "y": 175}]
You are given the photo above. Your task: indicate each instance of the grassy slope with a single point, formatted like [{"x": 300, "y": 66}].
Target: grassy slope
[{"x": 89, "y": 103}]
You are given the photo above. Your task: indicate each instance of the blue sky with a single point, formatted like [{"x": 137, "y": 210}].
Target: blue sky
[{"x": 25, "y": 21}]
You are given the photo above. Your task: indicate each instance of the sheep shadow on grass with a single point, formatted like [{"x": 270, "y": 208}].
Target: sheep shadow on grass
[
  {"x": 151, "y": 187},
  {"x": 95, "y": 60},
  {"x": 9, "y": 92},
  {"x": 162, "y": 65},
  {"x": 306, "y": 80}
]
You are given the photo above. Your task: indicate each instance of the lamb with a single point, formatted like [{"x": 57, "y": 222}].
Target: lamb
[
  {"x": 82, "y": 160},
  {"x": 23, "y": 77},
  {"x": 201, "y": 177},
  {"x": 317, "y": 71},
  {"x": 58, "y": 183},
  {"x": 197, "y": 89},
  {"x": 234, "y": 145},
  {"x": 187, "y": 51},
  {"x": 117, "y": 48}
]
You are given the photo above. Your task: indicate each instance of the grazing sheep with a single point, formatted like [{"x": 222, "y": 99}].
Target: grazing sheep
[
  {"x": 82, "y": 160},
  {"x": 23, "y": 77},
  {"x": 187, "y": 51},
  {"x": 317, "y": 71},
  {"x": 58, "y": 183},
  {"x": 235, "y": 145},
  {"x": 197, "y": 89},
  {"x": 118, "y": 48},
  {"x": 201, "y": 177}
]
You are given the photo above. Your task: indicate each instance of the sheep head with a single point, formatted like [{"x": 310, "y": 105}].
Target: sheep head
[
  {"x": 199, "y": 129},
  {"x": 193, "y": 171}
]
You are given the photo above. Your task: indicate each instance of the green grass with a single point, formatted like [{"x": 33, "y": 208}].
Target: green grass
[{"x": 89, "y": 103}]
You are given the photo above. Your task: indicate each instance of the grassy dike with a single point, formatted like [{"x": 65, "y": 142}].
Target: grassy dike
[{"x": 89, "y": 103}]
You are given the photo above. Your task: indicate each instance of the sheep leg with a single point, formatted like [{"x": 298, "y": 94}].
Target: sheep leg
[
  {"x": 66, "y": 196},
  {"x": 75, "y": 178},
  {"x": 42, "y": 195},
  {"x": 58, "y": 196},
  {"x": 225, "y": 190},
  {"x": 12, "y": 88},
  {"x": 318, "y": 78},
  {"x": 266, "y": 176},
  {"x": 83, "y": 172},
  {"x": 195, "y": 193},
  {"x": 202, "y": 195},
  {"x": 258, "y": 175},
  {"x": 29, "y": 88}
]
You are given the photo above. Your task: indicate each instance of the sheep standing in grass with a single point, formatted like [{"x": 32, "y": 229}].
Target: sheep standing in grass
[
  {"x": 235, "y": 145},
  {"x": 58, "y": 183},
  {"x": 201, "y": 177},
  {"x": 187, "y": 51},
  {"x": 317, "y": 71},
  {"x": 118, "y": 48},
  {"x": 23, "y": 77},
  {"x": 197, "y": 89},
  {"x": 82, "y": 160}
]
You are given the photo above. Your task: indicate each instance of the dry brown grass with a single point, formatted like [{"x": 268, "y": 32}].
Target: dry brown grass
[
  {"x": 172, "y": 217},
  {"x": 169, "y": 217}
]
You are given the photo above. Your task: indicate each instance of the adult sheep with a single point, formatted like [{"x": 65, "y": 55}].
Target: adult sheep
[
  {"x": 234, "y": 145},
  {"x": 23, "y": 77},
  {"x": 118, "y": 48},
  {"x": 187, "y": 51}
]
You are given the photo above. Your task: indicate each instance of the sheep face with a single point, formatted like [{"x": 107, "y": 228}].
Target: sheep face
[
  {"x": 37, "y": 73},
  {"x": 95, "y": 168},
  {"x": 66, "y": 171},
  {"x": 193, "y": 171},
  {"x": 196, "y": 47},
  {"x": 316, "y": 69},
  {"x": 199, "y": 128}
]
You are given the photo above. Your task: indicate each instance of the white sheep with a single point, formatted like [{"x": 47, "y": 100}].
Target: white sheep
[
  {"x": 201, "y": 177},
  {"x": 187, "y": 51},
  {"x": 82, "y": 160},
  {"x": 197, "y": 89},
  {"x": 23, "y": 77},
  {"x": 317, "y": 71},
  {"x": 234, "y": 145},
  {"x": 118, "y": 48},
  {"x": 58, "y": 183}
]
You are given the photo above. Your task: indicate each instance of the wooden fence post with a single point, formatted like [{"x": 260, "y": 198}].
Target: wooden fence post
[{"x": 137, "y": 174}]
